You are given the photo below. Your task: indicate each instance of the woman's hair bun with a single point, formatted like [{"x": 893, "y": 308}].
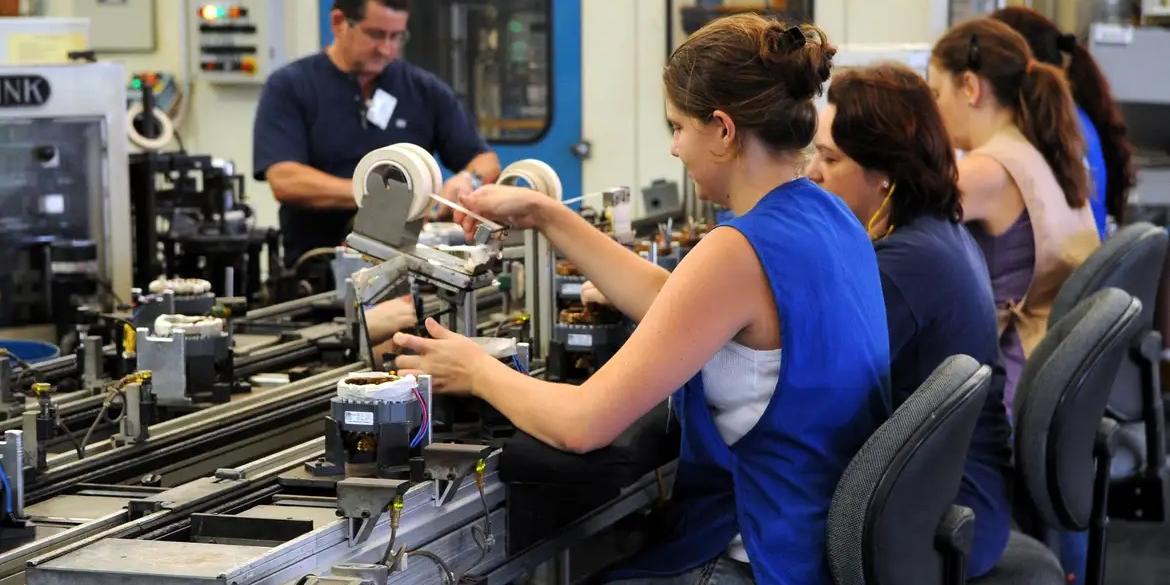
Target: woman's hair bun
[{"x": 800, "y": 56}]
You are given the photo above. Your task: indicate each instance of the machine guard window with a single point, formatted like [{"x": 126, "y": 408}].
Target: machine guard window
[{"x": 496, "y": 55}]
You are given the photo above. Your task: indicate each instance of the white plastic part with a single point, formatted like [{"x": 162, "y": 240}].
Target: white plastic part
[
  {"x": 358, "y": 386},
  {"x": 164, "y": 325},
  {"x": 497, "y": 347},
  {"x": 153, "y": 144},
  {"x": 473, "y": 255},
  {"x": 539, "y": 176},
  {"x": 441, "y": 233},
  {"x": 180, "y": 286},
  {"x": 417, "y": 166}
]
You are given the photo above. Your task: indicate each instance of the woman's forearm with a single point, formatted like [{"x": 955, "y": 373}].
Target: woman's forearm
[
  {"x": 527, "y": 402},
  {"x": 629, "y": 281}
]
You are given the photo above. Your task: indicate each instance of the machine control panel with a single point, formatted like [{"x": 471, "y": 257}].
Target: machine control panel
[{"x": 241, "y": 41}]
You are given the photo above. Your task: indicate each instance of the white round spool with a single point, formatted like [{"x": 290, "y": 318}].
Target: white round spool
[
  {"x": 416, "y": 165},
  {"x": 164, "y": 138},
  {"x": 432, "y": 165},
  {"x": 539, "y": 176}
]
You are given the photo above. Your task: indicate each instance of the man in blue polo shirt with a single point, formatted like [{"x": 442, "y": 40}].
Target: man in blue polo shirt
[{"x": 319, "y": 115}]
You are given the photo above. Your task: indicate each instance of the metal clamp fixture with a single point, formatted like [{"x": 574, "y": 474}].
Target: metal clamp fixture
[
  {"x": 393, "y": 186},
  {"x": 448, "y": 464},
  {"x": 40, "y": 426},
  {"x": 361, "y": 501},
  {"x": 139, "y": 410}
]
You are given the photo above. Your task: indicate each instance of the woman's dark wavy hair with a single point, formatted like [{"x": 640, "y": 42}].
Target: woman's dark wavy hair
[{"x": 887, "y": 120}]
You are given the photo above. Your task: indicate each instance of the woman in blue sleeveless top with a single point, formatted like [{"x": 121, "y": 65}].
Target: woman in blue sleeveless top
[{"x": 771, "y": 334}]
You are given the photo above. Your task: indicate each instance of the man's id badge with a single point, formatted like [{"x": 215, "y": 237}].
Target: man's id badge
[{"x": 381, "y": 108}]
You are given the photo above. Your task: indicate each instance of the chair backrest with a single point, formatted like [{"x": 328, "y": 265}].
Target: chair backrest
[
  {"x": 1060, "y": 401},
  {"x": 1132, "y": 260},
  {"x": 896, "y": 490}
]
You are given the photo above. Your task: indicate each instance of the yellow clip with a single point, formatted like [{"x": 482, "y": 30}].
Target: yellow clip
[
  {"x": 129, "y": 338},
  {"x": 480, "y": 467},
  {"x": 145, "y": 375},
  {"x": 398, "y": 504},
  {"x": 41, "y": 388}
]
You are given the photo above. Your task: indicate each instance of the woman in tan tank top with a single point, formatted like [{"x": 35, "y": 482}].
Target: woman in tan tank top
[{"x": 1024, "y": 182}]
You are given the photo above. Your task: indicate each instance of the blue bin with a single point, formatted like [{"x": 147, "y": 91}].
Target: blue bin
[{"x": 30, "y": 351}]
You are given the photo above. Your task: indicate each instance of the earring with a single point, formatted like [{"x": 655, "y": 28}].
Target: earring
[{"x": 886, "y": 185}]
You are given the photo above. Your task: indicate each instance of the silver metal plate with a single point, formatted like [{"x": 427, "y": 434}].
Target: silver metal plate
[
  {"x": 76, "y": 507},
  {"x": 138, "y": 561},
  {"x": 319, "y": 516}
]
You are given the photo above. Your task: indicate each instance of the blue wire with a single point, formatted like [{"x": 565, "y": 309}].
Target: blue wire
[
  {"x": 7, "y": 490},
  {"x": 517, "y": 366},
  {"x": 418, "y": 437}
]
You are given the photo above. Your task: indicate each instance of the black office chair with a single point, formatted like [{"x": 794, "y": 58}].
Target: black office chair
[
  {"x": 1063, "y": 442},
  {"x": 892, "y": 520},
  {"x": 1132, "y": 260}
]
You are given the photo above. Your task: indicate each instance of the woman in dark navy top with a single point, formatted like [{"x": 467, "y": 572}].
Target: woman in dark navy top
[
  {"x": 773, "y": 326},
  {"x": 881, "y": 147}
]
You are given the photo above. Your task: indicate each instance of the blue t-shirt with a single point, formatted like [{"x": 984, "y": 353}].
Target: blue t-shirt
[
  {"x": 938, "y": 304},
  {"x": 311, "y": 112},
  {"x": 1095, "y": 160}
]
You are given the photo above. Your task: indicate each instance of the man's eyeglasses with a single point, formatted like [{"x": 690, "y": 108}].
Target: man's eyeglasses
[{"x": 400, "y": 37}]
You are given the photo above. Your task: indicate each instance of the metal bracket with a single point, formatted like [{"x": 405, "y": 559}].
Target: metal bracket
[
  {"x": 230, "y": 473},
  {"x": 133, "y": 428},
  {"x": 90, "y": 362},
  {"x": 141, "y": 508},
  {"x": 382, "y": 281},
  {"x": 33, "y": 450},
  {"x": 448, "y": 464},
  {"x": 364, "y": 574},
  {"x": 361, "y": 500}
]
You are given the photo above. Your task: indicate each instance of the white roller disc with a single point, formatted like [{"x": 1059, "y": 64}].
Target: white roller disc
[
  {"x": 165, "y": 137},
  {"x": 372, "y": 159},
  {"x": 537, "y": 174},
  {"x": 416, "y": 169},
  {"x": 421, "y": 177},
  {"x": 429, "y": 160}
]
